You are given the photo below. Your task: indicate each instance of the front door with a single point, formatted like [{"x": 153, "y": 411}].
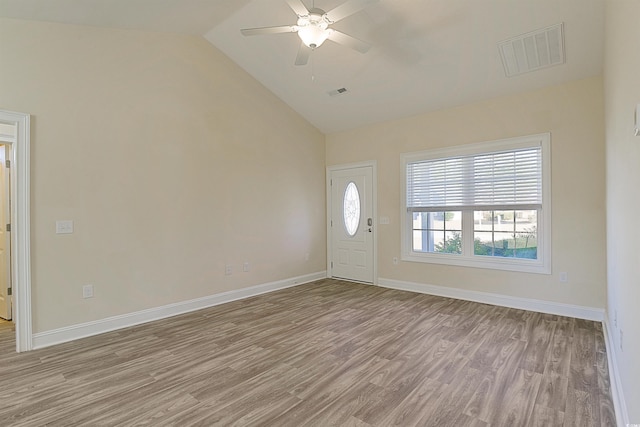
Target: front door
[{"x": 352, "y": 224}]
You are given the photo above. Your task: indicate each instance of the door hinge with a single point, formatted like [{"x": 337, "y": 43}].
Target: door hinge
[
  {"x": 332, "y": 223},
  {"x": 7, "y": 163},
  {"x": 9, "y": 291},
  {"x": 331, "y": 264},
  {"x": 331, "y": 182},
  {"x": 8, "y": 227}
]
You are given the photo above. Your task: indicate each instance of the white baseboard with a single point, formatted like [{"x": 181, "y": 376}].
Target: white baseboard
[
  {"x": 617, "y": 395},
  {"x": 580, "y": 312},
  {"x": 74, "y": 332}
]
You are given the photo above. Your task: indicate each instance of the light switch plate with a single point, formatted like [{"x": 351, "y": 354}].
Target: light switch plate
[{"x": 64, "y": 227}]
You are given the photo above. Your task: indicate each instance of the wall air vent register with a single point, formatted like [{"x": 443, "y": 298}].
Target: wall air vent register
[{"x": 533, "y": 51}]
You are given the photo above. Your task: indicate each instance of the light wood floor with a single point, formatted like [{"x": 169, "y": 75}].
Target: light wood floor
[{"x": 326, "y": 353}]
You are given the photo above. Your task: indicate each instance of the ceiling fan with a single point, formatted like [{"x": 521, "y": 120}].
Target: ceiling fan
[{"x": 314, "y": 27}]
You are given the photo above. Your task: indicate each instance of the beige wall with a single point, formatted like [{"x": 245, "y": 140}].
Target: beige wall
[
  {"x": 573, "y": 113},
  {"x": 170, "y": 159},
  {"x": 622, "y": 88}
]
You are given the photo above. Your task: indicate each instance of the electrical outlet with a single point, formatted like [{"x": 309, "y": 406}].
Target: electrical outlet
[
  {"x": 245, "y": 267},
  {"x": 228, "y": 270},
  {"x": 87, "y": 291},
  {"x": 395, "y": 260},
  {"x": 564, "y": 277},
  {"x": 621, "y": 336}
]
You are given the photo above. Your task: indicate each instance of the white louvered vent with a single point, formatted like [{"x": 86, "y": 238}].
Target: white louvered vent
[{"x": 533, "y": 51}]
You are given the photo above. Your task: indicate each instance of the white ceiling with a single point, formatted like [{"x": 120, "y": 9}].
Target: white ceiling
[{"x": 426, "y": 54}]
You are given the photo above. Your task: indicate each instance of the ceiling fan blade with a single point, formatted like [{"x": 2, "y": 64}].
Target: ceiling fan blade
[
  {"x": 303, "y": 54},
  {"x": 347, "y": 40},
  {"x": 298, "y": 7},
  {"x": 269, "y": 30},
  {"x": 348, "y": 8}
]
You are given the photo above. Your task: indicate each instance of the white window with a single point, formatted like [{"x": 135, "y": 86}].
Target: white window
[
  {"x": 351, "y": 209},
  {"x": 482, "y": 205}
]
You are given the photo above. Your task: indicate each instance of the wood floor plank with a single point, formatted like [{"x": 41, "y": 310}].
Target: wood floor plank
[
  {"x": 325, "y": 353},
  {"x": 354, "y": 422},
  {"x": 582, "y": 373},
  {"x": 446, "y": 409},
  {"x": 412, "y": 408},
  {"x": 552, "y": 393},
  {"x": 538, "y": 345},
  {"x": 518, "y": 406},
  {"x": 543, "y": 416},
  {"x": 559, "y": 357},
  {"x": 606, "y": 411},
  {"x": 580, "y": 409}
]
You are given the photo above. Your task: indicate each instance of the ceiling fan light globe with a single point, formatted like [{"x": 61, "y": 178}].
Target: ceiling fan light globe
[{"x": 313, "y": 36}]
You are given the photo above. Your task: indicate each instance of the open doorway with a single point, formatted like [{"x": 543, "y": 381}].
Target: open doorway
[
  {"x": 8, "y": 134},
  {"x": 6, "y": 299},
  {"x": 15, "y": 131}
]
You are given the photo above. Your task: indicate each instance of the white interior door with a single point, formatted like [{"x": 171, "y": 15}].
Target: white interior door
[
  {"x": 352, "y": 224},
  {"x": 5, "y": 240}
]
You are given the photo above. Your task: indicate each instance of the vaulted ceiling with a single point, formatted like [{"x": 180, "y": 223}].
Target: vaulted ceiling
[{"x": 425, "y": 54}]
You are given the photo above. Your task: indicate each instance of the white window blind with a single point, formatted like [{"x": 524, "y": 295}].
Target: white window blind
[{"x": 500, "y": 180}]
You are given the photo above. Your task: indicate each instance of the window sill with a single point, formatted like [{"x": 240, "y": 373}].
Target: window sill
[{"x": 493, "y": 263}]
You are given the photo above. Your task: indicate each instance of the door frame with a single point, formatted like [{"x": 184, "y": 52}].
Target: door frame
[
  {"x": 374, "y": 189},
  {"x": 20, "y": 227}
]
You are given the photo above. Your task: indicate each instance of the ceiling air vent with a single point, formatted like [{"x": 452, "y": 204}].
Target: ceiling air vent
[
  {"x": 337, "y": 92},
  {"x": 533, "y": 51}
]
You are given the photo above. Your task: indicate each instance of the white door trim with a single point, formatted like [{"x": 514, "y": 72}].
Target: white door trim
[
  {"x": 374, "y": 167},
  {"x": 21, "y": 228}
]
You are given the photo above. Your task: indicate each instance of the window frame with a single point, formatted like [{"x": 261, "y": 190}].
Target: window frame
[{"x": 542, "y": 265}]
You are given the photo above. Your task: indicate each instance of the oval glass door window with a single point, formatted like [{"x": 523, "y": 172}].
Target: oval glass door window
[{"x": 351, "y": 209}]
